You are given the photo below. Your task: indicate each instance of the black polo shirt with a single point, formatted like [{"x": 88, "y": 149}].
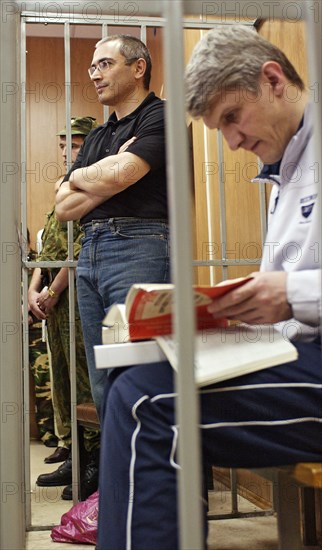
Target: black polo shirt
[{"x": 147, "y": 198}]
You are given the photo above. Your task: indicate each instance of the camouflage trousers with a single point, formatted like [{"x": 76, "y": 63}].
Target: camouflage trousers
[
  {"x": 39, "y": 365},
  {"x": 58, "y": 337}
]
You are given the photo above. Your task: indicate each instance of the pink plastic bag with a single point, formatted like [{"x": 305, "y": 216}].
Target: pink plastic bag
[{"x": 79, "y": 524}]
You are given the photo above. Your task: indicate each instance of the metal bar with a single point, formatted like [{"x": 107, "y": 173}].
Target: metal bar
[
  {"x": 73, "y": 263},
  {"x": 190, "y": 514},
  {"x": 58, "y": 263},
  {"x": 91, "y": 11},
  {"x": 71, "y": 281},
  {"x": 262, "y": 207},
  {"x": 222, "y": 204},
  {"x": 233, "y": 488},
  {"x": 238, "y": 515},
  {"x": 244, "y": 9},
  {"x": 224, "y": 262},
  {"x": 25, "y": 340},
  {"x": 106, "y": 109},
  {"x": 209, "y": 203},
  {"x": 143, "y": 33},
  {"x": 313, "y": 15},
  {"x": 12, "y": 520},
  {"x": 110, "y": 20}
]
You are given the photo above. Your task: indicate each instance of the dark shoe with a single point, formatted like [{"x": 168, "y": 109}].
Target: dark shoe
[
  {"x": 88, "y": 484},
  {"x": 59, "y": 455},
  {"x": 67, "y": 493},
  {"x": 61, "y": 476}
]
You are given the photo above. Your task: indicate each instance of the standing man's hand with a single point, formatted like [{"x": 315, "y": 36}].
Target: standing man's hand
[
  {"x": 45, "y": 301},
  {"x": 33, "y": 299}
]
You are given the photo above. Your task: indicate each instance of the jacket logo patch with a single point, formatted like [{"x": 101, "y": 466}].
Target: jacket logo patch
[{"x": 307, "y": 210}]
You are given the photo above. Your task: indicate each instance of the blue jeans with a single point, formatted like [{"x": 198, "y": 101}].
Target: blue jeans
[{"x": 115, "y": 254}]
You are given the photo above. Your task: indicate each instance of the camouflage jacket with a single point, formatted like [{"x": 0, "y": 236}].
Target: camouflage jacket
[{"x": 55, "y": 241}]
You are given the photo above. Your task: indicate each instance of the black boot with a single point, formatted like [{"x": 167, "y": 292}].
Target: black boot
[
  {"x": 89, "y": 483},
  {"x": 89, "y": 479},
  {"x": 61, "y": 476}
]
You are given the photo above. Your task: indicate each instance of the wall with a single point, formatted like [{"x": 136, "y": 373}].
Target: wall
[{"x": 46, "y": 115}]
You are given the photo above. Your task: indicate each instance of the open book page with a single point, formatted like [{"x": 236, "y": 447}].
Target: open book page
[
  {"x": 221, "y": 354},
  {"x": 115, "y": 326},
  {"x": 148, "y": 307}
]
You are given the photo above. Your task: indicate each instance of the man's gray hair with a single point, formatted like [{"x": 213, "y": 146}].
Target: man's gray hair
[{"x": 230, "y": 58}]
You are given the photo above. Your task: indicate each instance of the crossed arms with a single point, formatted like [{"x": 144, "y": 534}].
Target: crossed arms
[{"x": 91, "y": 186}]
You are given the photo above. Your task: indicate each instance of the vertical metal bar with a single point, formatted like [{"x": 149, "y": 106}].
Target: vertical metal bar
[
  {"x": 190, "y": 514},
  {"x": 313, "y": 16},
  {"x": 233, "y": 489},
  {"x": 262, "y": 210},
  {"x": 25, "y": 342},
  {"x": 12, "y": 521},
  {"x": 106, "y": 109},
  {"x": 222, "y": 204},
  {"x": 143, "y": 33},
  {"x": 71, "y": 275},
  {"x": 209, "y": 203}
]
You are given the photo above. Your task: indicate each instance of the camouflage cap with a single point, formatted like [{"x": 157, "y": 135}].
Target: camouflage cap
[{"x": 80, "y": 126}]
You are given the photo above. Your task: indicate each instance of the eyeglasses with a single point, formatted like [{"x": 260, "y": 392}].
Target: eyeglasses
[
  {"x": 105, "y": 64},
  {"x": 102, "y": 65}
]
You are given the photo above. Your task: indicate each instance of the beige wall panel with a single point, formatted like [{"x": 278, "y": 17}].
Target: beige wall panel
[
  {"x": 154, "y": 42},
  {"x": 291, "y": 38},
  {"x": 243, "y": 227},
  {"x": 242, "y": 210},
  {"x": 203, "y": 242},
  {"x": 46, "y": 115},
  {"x": 44, "y": 90}
]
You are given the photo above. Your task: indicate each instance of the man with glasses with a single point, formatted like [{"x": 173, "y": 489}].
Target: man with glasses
[{"x": 117, "y": 187}]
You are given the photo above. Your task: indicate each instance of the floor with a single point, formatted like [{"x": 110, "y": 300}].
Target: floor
[
  {"x": 255, "y": 533},
  {"x": 47, "y": 506}
]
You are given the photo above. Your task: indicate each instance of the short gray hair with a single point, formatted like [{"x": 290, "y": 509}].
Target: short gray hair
[{"x": 230, "y": 58}]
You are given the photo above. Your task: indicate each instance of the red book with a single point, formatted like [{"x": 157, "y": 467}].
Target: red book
[{"x": 148, "y": 308}]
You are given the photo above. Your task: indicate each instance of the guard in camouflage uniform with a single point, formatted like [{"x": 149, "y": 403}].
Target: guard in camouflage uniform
[{"x": 48, "y": 299}]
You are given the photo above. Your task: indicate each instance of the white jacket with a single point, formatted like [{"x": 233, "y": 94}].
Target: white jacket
[{"x": 293, "y": 237}]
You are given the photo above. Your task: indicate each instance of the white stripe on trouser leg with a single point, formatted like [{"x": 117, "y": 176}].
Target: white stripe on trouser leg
[
  {"x": 131, "y": 472},
  {"x": 133, "y": 459},
  {"x": 286, "y": 422}
]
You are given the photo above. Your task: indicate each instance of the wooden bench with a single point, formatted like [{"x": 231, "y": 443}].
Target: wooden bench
[{"x": 87, "y": 416}]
